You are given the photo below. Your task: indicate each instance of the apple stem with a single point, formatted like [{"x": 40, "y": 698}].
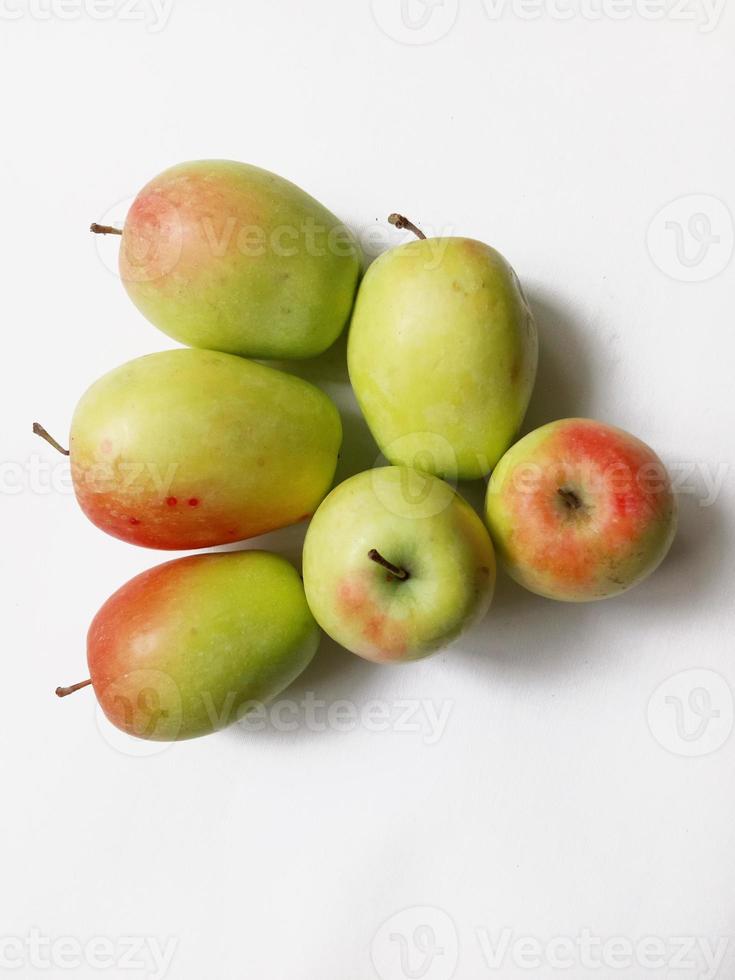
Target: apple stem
[
  {"x": 64, "y": 692},
  {"x": 104, "y": 229},
  {"x": 38, "y": 430},
  {"x": 400, "y": 573},
  {"x": 402, "y": 223},
  {"x": 570, "y": 498}
]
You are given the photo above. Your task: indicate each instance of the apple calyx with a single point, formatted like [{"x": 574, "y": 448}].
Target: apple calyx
[
  {"x": 401, "y": 222},
  {"x": 400, "y": 573},
  {"x": 572, "y": 504},
  {"x": 571, "y": 499},
  {"x": 104, "y": 229},
  {"x": 38, "y": 430},
  {"x": 63, "y": 692}
]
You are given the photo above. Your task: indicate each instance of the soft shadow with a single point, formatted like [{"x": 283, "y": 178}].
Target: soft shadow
[
  {"x": 529, "y": 635},
  {"x": 326, "y": 369},
  {"x": 565, "y": 356},
  {"x": 474, "y": 492},
  {"x": 329, "y": 372},
  {"x": 333, "y": 676},
  {"x": 695, "y": 563}
]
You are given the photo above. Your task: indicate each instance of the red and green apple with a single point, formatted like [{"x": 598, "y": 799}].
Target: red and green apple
[
  {"x": 397, "y": 565},
  {"x": 226, "y": 256},
  {"x": 190, "y": 448},
  {"x": 442, "y": 355},
  {"x": 579, "y": 510},
  {"x": 182, "y": 649}
]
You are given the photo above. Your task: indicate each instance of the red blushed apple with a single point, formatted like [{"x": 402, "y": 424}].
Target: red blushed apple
[
  {"x": 579, "y": 510},
  {"x": 397, "y": 565}
]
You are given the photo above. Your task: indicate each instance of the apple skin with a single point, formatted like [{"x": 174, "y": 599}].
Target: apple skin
[
  {"x": 226, "y": 256},
  {"x": 190, "y": 449},
  {"x": 442, "y": 354},
  {"x": 610, "y": 526},
  {"x": 179, "y": 650},
  {"x": 418, "y": 523}
]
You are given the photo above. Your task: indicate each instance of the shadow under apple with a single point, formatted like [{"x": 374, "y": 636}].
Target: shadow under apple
[
  {"x": 563, "y": 388},
  {"x": 523, "y": 633}
]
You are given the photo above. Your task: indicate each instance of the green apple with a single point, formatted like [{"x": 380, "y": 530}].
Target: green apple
[
  {"x": 229, "y": 257},
  {"x": 190, "y": 448},
  {"x": 442, "y": 355},
  {"x": 180, "y": 650},
  {"x": 580, "y": 510},
  {"x": 397, "y": 564}
]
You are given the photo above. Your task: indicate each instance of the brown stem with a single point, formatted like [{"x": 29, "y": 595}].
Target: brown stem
[
  {"x": 570, "y": 498},
  {"x": 402, "y": 223},
  {"x": 38, "y": 430},
  {"x": 104, "y": 229},
  {"x": 64, "y": 692},
  {"x": 400, "y": 573}
]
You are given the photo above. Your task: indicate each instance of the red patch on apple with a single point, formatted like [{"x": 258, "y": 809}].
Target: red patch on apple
[
  {"x": 383, "y": 633},
  {"x": 621, "y": 487},
  {"x": 155, "y": 522}
]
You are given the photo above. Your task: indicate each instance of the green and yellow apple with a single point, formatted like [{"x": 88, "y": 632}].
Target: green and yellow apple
[
  {"x": 229, "y": 257},
  {"x": 397, "y": 564},
  {"x": 180, "y": 650},
  {"x": 442, "y": 355},
  {"x": 579, "y": 510},
  {"x": 190, "y": 448}
]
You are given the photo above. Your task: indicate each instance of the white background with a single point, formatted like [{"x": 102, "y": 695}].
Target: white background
[{"x": 559, "y": 797}]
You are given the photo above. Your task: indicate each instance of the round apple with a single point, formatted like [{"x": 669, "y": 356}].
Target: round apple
[
  {"x": 397, "y": 564},
  {"x": 579, "y": 511}
]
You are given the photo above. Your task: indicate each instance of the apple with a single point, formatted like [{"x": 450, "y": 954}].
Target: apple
[
  {"x": 226, "y": 256},
  {"x": 397, "y": 564},
  {"x": 191, "y": 448},
  {"x": 580, "y": 510},
  {"x": 185, "y": 648},
  {"x": 442, "y": 355}
]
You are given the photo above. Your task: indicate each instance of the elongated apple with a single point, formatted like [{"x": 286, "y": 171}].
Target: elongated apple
[
  {"x": 397, "y": 564},
  {"x": 442, "y": 354},
  {"x": 580, "y": 510},
  {"x": 189, "y": 449},
  {"x": 180, "y": 650},
  {"x": 226, "y": 256}
]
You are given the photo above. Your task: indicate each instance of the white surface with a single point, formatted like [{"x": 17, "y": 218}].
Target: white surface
[{"x": 548, "y": 806}]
